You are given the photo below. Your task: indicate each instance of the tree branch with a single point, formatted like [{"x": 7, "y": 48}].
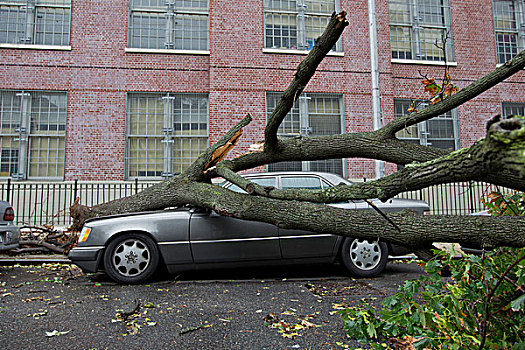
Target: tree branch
[
  {"x": 42, "y": 243},
  {"x": 485, "y": 231},
  {"x": 250, "y": 187},
  {"x": 501, "y": 150},
  {"x": 304, "y": 73},
  {"x": 481, "y": 85},
  {"x": 196, "y": 170},
  {"x": 381, "y": 144}
]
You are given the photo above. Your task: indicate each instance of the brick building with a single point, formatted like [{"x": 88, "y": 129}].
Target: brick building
[{"x": 125, "y": 89}]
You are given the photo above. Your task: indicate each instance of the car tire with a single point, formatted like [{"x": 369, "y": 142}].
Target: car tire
[
  {"x": 364, "y": 258},
  {"x": 131, "y": 258}
]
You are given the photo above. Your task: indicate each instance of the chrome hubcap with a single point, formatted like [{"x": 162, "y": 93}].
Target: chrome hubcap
[
  {"x": 131, "y": 257},
  {"x": 365, "y": 254}
]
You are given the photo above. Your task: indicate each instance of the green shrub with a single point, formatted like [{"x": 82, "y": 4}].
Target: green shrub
[
  {"x": 499, "y": 204},
  {"x": 481, "y": 304}
]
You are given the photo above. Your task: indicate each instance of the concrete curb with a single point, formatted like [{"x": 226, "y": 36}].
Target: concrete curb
[{"x": 34, "y": 259}]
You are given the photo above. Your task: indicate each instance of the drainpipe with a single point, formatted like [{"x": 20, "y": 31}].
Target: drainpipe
[{"x": 374, "y": 68}]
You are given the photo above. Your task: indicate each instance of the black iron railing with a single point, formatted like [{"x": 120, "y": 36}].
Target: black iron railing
[{"x": 47, "y": 203}]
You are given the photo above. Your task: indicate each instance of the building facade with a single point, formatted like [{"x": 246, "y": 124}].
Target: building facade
[{"x": 126, "y": 89}]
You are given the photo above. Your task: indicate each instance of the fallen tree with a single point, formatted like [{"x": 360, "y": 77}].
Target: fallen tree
[
  {"x": 499, "y": 159},
  {"x": 42, "y": 239}
]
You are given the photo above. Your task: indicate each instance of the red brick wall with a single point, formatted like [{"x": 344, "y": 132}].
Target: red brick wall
[{"x": 97, "y": 73}]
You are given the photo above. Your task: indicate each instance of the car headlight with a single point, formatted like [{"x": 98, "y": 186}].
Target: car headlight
[{"x": 84, "y": 234}]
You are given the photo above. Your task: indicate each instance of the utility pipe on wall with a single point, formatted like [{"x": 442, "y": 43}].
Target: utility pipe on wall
[{"x": 374, "y": 67}]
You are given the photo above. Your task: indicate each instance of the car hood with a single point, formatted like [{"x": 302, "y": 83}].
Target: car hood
[{"x": 137, "y": 216}]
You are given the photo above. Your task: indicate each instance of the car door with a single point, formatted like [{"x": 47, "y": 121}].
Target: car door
[
  {"x": 216, "y": 238},
  {"x": 300, "y": 243}
]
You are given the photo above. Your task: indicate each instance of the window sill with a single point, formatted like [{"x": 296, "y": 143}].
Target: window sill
[
  {"x": 35, "y": 47},
  {"x": 33, "y": 180},
  {"x": 502, "y": 64},
  {"x": 300, "y": 52},
  {"x": 168, "y": 51},
  {"x": 422, "y": 62}
]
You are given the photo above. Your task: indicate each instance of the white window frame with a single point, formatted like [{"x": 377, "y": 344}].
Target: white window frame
[
  {"x": 416, "y": 26},
  {"x": 23, "y": 138},
  {"x": 424, "y": 138},
  {"x": 512, "y": 108},
  {"x": 168, "y": 136},
  {"x": 303, "y": 44},
  {"x": 32, "y": 27},
  {"x": 518, "y": 32},
  {"x": 170, "y": 11}
]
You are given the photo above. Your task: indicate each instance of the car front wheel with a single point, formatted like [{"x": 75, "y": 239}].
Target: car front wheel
[
  {"x": 131, "y": 258},
  {"x": 364, "y": 258}
]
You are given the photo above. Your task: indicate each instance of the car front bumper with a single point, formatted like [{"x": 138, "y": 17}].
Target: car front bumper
[{"x": 87, "y": 258}]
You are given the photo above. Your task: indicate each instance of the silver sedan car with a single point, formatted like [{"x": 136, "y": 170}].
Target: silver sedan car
[{"x": 131, "y": 247}]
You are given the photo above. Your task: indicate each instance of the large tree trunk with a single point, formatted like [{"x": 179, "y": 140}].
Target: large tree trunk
[{"x": 499, "y": 159}]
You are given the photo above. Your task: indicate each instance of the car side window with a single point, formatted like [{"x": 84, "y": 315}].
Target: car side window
[
  {"x": 263, "y": 181},
  {"x": 325, "y": 184},
  {"x": 306, "y": 182}
]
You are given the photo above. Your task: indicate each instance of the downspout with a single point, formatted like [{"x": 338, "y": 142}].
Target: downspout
[{"x": 374, "y": 68}]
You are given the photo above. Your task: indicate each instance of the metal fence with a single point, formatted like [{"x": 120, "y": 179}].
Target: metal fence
[
  {"x": 48, "y": 202},
  {"x": 462, "y": 198}
]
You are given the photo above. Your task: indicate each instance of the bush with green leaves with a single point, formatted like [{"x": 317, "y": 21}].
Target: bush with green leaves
[
  {"x": 479, "y": 304},
  {"x": 512, "y": 204}
]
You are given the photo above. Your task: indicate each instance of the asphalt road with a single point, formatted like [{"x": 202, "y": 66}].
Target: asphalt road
[{"x": 56, "y": 306}]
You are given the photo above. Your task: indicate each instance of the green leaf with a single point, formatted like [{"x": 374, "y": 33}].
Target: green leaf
[
  {"x": 520, "y": 346},
  {"x": 390, "y": 301},
  {"x": 518, "y": 303},
  {"x": 421, "y": 343},
  {"x": 371, "y": 330}
]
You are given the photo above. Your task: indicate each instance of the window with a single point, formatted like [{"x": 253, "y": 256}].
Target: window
[
  {"x": 9, "y": 162},
  {"x": 510, "y": 108},
  {"x": 313, "y": 114},
  {"x": 35, "y": 22},
  {"x": 165, "y": 133},
  {"x": 304, "y": 182},
  {"x": 415, "y": 28},
  {"x": 509, "y": 25},
  {"x": 32, "y": 134},
  {"x": 440, "y": 132},
  {"x": 265, "y": 182},
  {"x": 295, "y": 24},
  {"x": 169, "y": 24}
]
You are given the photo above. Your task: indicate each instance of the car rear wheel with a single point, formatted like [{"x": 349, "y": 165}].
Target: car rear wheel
[
  {"x": 131, "y": 258},
  {"x": 364, "y": 258}
]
